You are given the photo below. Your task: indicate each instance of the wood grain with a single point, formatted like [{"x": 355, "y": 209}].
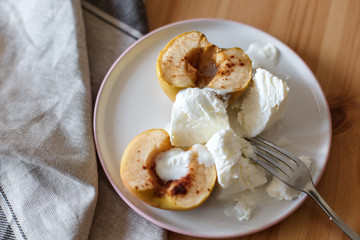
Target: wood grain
[{"x": 326, "y": 35}]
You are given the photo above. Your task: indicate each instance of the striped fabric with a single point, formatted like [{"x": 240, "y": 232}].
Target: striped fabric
[
  {"x": 130, "y": 12},
  {"x": 5, "y": 229},
  {"x": 6, "y": 232}
]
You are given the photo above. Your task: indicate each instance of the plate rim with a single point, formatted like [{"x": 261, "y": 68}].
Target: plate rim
[{"x": 147, "y": 216}]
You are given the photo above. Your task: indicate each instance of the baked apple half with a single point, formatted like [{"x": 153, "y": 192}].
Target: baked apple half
[
  {"x": 139, "y": 175},
  {"x": 189, "y": 60}
]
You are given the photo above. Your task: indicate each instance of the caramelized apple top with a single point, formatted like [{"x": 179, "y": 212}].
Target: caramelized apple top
[{"x": 189, "y": 60}]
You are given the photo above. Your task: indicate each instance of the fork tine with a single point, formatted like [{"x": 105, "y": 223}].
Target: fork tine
[
  {"x": 281, "y": 154},
  {"x": 288, "y": 154},
  {"x": 275, "y": 158},
  {"x": 268, "y": 166},
  {"x": 284, "y": 165},
  {"x": 281, "y": 161}
]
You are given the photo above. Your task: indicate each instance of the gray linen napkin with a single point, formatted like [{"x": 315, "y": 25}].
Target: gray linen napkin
[{"x": 48, "y": 169}]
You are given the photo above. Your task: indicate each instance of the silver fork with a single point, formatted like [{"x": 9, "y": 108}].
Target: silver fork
[{"x": 291, "y": 170}]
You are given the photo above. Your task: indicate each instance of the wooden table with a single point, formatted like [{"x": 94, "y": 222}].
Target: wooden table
[{"x": 326, "y": 35}]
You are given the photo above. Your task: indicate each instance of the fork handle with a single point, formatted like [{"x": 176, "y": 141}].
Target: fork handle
[{"x": 311, "y": 191}]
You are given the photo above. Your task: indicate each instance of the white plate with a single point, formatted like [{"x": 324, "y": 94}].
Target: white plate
[{"x": 130, "y": 101}]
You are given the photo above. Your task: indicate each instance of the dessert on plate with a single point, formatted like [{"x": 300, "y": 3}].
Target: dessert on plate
[{"x": 202, "y": 149}]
